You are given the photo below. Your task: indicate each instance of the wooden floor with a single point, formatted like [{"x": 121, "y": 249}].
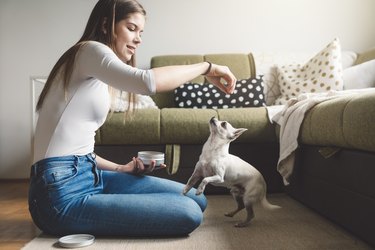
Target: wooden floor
[{"x": 16, "y": 226}]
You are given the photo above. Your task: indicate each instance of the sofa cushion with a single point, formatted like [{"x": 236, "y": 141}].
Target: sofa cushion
[
  {"x": 248, "y": 93},
  {"x": 142, "y": 128},
  {"x": 344, "y": 122},
  {"x": 321, "y": 73},
  {"x": 260, "y": 130},
  {"x": 191, "y": 126},
  {"x": 185, "y": 126}
]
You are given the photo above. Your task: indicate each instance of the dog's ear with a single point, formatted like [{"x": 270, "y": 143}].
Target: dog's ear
[{"x": 237, "y": 133}]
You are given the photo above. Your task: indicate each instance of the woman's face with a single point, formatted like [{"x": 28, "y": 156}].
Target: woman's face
[{"x": 128, "y": 35}]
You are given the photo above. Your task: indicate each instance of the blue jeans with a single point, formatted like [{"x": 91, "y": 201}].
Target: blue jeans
[{"x": 70, "y": 195}]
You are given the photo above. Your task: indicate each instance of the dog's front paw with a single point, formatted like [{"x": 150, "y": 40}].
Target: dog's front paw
[
  {"x": 185, "y": 190},
  {"x": 200, "y": 191},
  {"x": 201, "y": 187}
]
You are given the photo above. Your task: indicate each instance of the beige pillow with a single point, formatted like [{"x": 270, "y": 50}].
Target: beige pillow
[
  {"x": 366, "y": 56},
  {"x": 321, "y": 73}
]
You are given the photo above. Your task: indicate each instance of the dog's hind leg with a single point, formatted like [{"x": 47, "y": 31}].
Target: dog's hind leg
[
  {"x": 248, "y": 201},
  {"x": 237, "y": 193},
  {"x": 250, "y": 216}
]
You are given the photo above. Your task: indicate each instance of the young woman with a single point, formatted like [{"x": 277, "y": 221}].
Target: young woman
[{"x": 72, "y": 190}]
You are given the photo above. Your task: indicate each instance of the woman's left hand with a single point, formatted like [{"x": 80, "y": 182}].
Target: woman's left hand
[
  {"x": 222, "y": 78},
  {"x": 139, "y": 168}
]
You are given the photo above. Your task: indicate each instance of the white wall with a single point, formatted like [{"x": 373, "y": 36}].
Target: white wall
[
  {"x": 33, "y": 34},
  {"x": 197, "y": 26}
]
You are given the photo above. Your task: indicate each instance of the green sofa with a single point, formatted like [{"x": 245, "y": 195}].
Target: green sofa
[{"x": 340, "y": 186}]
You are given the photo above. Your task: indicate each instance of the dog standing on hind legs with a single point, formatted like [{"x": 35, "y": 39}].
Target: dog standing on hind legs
[{"x": 218, "y": 167}]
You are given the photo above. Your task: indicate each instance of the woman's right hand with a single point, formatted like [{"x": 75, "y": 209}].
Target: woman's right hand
[{"x": 222, "y": 77}]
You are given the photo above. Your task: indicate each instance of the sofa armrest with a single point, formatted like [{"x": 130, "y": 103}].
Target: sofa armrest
[{"x": 347, "y": 122}]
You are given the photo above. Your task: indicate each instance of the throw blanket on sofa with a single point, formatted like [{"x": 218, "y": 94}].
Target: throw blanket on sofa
[{"x": 290, "y": 117}]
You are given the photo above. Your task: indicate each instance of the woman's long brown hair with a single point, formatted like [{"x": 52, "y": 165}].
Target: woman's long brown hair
[{"x": 104, "y": 16}]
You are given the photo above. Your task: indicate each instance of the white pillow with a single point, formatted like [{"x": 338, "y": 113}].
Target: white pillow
[
  {"x": 348, "y": 58},
  {"x": 321, "y": 73},
  {"x": 360, "y": 76},
  {"x": 121, "y": 102}
]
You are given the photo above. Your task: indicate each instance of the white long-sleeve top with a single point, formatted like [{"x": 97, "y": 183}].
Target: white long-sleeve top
[{"x": 67, "y": 121}]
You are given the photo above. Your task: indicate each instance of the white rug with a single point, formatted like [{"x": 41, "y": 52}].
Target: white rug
[{"x": 292, "y": 227}]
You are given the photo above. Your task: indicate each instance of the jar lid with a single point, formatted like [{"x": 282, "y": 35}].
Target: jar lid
[{"x": 76, "y": 240}]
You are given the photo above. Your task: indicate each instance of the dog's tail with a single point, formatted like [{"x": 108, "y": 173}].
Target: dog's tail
[{"x": 266, "y": 205}]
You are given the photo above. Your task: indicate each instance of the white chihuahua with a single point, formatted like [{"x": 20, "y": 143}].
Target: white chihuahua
[{"x": 218, "y": 167}]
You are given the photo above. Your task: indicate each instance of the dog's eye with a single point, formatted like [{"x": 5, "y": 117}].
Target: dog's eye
[{"x": 224, "y": 124}]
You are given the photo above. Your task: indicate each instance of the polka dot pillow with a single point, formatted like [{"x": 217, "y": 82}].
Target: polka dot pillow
[
  {"x": 321, "y": 73},
  {"x": 248, "y": 93}
]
